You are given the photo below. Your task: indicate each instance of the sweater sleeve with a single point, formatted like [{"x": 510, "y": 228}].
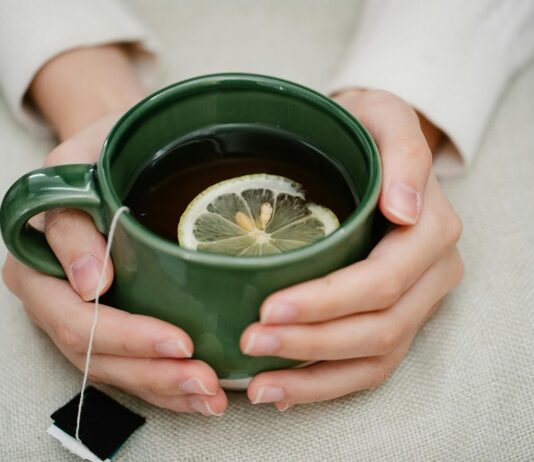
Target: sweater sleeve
[
  {"x": 33, "y": 32},
  {"x": 451, "y": 60}
]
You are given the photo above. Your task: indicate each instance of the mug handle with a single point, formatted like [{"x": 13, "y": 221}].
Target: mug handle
[{"x": 70, "y": 186}]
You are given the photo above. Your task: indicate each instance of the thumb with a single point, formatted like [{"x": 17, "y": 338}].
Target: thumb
[
  {"x": 405, "y": 154},
  {"x": 406, "y": 162},
  {"x": 80, "y": 248}
]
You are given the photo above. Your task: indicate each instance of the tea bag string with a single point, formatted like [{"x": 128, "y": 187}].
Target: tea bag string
[{"x": 99, "y": 288}]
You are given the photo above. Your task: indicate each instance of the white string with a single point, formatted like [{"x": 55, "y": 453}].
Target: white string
[{"x": 99, "y": 288}]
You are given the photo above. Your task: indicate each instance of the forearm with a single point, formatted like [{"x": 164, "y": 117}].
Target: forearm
[{"x": 78, "y": 87}]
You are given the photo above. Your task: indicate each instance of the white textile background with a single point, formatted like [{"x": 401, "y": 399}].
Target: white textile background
[{"x": 466, "y": 389}]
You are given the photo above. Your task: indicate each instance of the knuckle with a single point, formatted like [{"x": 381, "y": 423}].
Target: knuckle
[
  {"x": 454, "y": 228},
  {"x": 390, "y": 291},
  {"x": 388, "y": 338},
  {"x": 383, "y": 97},
  {"x": 68, "y": 339},
  {"x": 380, "y": 97},
  {"x": 154, "y": 386},
  {"x": 163, "y": 383},
  {"x": 311, "y": 350},
  {"x": 329, "y": 298},
  {"x": 412, "y": 147},
  {"x": 8, "y": 276},
  {"x": 95, "y": 375},
  {"x": 381, "y": 372},
  {"x": 129, "y": 346},
  {"x": 58, "y": 220}
]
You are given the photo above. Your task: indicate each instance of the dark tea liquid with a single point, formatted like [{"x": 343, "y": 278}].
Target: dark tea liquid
[{"x": 178, "y": 173}]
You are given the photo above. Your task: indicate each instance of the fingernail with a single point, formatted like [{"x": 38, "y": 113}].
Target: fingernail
[
  {"x": 278, "y": 313},
  {"x": 269, "y": 395},
  {"x": 282, "y": 407},
  {"x": 404, "y": 202},
  {"x": 261, "y": 344},
  {"x": 86, "y": 274},
  {"x": 195, "y": 386},
  {"x": 204, "y": 408},
  {"x": 173, "y": 349}
]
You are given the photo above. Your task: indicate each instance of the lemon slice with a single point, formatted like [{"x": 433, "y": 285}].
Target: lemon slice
[{"x": 253, "y": 215}]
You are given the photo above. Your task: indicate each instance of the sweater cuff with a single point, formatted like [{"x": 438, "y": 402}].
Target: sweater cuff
[
  {"x": 450, "y": 60},
  {"x": 27, "y": 44}
]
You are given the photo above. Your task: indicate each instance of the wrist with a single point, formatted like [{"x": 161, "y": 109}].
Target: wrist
[{"x": 80, "y": 86}]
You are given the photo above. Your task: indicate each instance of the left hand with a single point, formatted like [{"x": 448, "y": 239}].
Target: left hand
[
  {"x": 144, "y": 356},
  {"x": 359, "y": 321}
]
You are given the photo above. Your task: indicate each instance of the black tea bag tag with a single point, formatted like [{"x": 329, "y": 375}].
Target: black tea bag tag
[{"x": 104, "y": 427}]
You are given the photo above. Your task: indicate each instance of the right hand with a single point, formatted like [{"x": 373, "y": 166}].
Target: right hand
[{"x": 142, "y": 355}]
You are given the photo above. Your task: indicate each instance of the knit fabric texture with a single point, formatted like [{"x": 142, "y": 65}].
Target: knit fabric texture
[{"x": 465, "y": 390}]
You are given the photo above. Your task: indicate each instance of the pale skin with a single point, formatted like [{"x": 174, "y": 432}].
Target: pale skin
[{"x": 358, "y": 322}]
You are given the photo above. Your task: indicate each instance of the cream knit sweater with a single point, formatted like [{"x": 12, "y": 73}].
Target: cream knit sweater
[{"x": 450, "y": 59}]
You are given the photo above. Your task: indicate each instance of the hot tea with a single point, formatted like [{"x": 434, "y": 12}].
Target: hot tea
[{"x": 168, "y": 183}]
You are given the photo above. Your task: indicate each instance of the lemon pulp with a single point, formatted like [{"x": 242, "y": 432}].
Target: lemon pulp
[{"x": 253, "y": 215}]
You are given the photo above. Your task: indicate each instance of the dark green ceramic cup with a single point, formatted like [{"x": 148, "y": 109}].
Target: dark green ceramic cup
[{"x": 212, "y": 297}]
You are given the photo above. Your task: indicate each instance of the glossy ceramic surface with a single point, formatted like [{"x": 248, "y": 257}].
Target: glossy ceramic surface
[{"x": 213, "y": 297}]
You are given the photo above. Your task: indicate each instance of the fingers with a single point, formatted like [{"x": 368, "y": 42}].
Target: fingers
[
  {"x": 406, "y": 157},
  {"x": 212, "y": 406},
  {"x": 377, "y": 282},
  {"x": 59, "y": 311},
  {"x": 131, "y": 352},
  {"x": 327, "y": 380},
  {"x": 323, "y": 381},
  {"x": 80, "y": 248},
  {"x": 178, "y": 385},
  {"x": 361, "y": 335}
]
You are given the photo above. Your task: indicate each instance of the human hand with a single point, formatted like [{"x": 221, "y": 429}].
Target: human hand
[
  {"x": 142, "y": 355},
  {"x": 359, "y": 321}
]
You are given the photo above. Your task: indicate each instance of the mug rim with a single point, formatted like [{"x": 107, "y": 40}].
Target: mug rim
[{"x": 242, "y": 81}]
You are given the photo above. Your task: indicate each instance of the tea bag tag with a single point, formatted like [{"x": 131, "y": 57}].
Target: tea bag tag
[
  {"x": 73, "y": 445},
  {"x": 105, "y": 427}
]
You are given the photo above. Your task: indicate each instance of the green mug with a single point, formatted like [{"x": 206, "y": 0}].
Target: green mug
[{"x": 212, "y": 297}]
